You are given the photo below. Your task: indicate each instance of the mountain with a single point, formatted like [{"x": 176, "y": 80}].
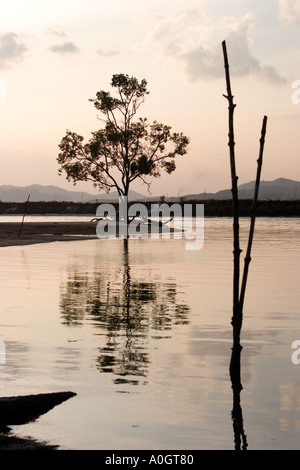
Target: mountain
[
  {"x": 9, "y": 193},
  {"x": 279, "y": 189},
  {"x": 114, "y": 196}
]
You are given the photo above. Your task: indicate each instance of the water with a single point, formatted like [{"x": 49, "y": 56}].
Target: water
[{"x": 144, "y": 338}]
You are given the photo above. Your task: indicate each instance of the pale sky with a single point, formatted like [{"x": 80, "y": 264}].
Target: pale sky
[{"x": 55, "y": 55}]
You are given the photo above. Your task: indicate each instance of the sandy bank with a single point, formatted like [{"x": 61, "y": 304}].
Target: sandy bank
[
  {"x": 46, "y": 232},
  {"x": 35, "y": 232}
]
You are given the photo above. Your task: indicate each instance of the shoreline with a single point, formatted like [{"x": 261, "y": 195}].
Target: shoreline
[
  {"x": 39, "y": 239},
  {"x": 48, "y": 232},
  {"x": 212, "y": 207},
  {"x": 11, "y": 441}
]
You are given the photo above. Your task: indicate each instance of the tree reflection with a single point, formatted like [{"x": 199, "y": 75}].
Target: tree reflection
[{"x": 127, "y": 310}]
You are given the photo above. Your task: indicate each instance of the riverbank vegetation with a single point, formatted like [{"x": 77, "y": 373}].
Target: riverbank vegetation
[{"x": 212, "y": 208}]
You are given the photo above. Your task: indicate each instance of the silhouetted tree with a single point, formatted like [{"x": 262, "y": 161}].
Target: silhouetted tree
[{"x": 125, "y": 149}]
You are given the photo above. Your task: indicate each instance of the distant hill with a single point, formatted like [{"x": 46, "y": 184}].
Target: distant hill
[
  {"x": 37, "y": 192},
  {"x": 279, "y": 189}
]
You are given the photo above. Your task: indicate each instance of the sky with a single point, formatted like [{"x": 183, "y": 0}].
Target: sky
[{"x": 55, "y": 56}]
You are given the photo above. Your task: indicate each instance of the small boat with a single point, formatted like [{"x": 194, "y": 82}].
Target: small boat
[{"x": 26, "y": 408}]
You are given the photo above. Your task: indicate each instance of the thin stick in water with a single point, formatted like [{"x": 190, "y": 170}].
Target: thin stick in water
[
  {"x": 253, "y": 217},
  {"x": 234, "y": 190},
  {"x": 25, "y": 208}
]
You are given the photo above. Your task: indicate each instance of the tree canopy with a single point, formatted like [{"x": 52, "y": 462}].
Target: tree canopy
[{"x": 126, "y": 148}]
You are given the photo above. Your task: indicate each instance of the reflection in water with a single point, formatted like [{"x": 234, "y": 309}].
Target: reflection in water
[
  {"x": 240, "y": 438},
  {"x": 188, "y": 399},
  {"x": 127, "y": 310}
]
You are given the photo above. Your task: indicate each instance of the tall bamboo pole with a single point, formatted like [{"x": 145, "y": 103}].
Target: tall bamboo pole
[
  {"x": 234, "y": 190},
  {"x": 252, "y": 224},
  {"x": 238, "y": 298},
  {"x": 24, "y": 213}
]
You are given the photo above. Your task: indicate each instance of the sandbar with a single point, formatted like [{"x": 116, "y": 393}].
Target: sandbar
[{"x": 45, "y": 232}]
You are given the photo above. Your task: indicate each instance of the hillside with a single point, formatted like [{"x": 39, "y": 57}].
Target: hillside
[
  {"x": 280, "y": 189},
  {"x": 37, "y": 192}
]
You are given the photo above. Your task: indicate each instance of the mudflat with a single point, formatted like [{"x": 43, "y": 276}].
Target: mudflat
[{"x": 44, "y": 232}]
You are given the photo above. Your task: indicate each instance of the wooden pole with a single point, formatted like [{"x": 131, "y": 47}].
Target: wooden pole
[
  {"x": 24, "y": 213},
  {"x": 253, "y": 217},
  {"x": 238, "y": 298},
  {"x": 234, "y": 190}
]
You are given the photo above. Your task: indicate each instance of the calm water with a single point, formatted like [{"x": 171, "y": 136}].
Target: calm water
[{"x": 144, "y": 338}]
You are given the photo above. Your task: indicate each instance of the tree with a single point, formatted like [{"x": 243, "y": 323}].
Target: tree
[{"x": 125, "y": 149}]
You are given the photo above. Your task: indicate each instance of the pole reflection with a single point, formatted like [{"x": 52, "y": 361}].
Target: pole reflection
[{"x": 240, "y": 438}]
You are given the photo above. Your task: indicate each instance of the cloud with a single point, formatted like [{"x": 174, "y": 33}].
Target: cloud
[
  {"x": 182, "y": 25},
  {"x": 11, "y": 49},
  {"x": 108, "y": 53},
  {"x": 55, "y": 32},
  {"x": 201, "y": 62},
  {"x": 65, "y": 48},
  {"x": 289, "y": 11},
  {"x": 194, "y": 41}
]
